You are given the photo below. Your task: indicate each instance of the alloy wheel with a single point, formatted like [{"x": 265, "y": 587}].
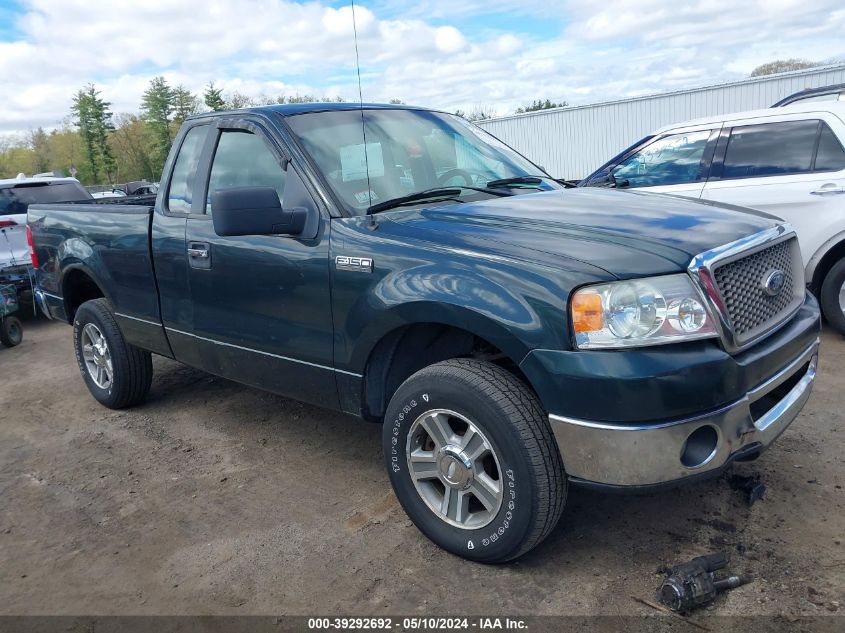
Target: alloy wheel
[{"x": 455, "y": 469}]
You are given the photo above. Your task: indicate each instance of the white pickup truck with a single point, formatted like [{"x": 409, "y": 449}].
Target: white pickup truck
[{"x": 787, "y": 161}]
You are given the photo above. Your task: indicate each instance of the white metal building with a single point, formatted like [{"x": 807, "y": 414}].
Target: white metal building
[{"x": 572, "y": 142}]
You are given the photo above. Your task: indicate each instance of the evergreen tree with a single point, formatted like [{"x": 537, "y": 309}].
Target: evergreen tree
[
  {"x": 213, "y": 98},
  {"x": 92, "y": 116},
  {"x": 39, "y": 144},
  {"x": 540, "y": 104},
  {"x": 82, "y": 112},
  {"x": 185, "y": 103},
  {"x": 102, "y": 129},
  {"x": 157, "y": 108}
]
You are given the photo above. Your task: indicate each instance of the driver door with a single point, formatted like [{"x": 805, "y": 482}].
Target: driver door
[{"x": 261, "y": 303}]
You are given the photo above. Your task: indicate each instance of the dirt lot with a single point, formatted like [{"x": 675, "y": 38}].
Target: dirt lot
[{"x": 218, "y": 499}]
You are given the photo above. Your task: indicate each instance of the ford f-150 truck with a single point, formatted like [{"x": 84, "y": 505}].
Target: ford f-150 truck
[{"x": 402, "y": 265}]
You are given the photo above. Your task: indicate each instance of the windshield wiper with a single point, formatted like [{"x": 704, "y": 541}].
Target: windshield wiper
[
  {"x": 518, "y": 180},
  {"x": 439, "y": 192}
]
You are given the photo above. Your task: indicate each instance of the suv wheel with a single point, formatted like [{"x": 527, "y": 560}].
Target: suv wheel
[
  {"x": 832, "y": 296},
  {"x": 472, "y": 460},
  {"x": 116, "y": 373}
]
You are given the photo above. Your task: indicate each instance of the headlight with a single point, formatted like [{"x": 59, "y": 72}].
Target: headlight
[{"x": 650, "y": 311}]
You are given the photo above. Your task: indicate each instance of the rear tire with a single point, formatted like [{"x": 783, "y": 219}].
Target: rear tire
[
  {"x": 11, "y": 331},
  {"x": 832, "y": 287},
  {"x": 116, "y": 373},
  {"x": 487, "y": 482}
]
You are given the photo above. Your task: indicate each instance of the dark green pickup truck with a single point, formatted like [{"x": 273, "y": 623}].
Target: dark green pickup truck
[{"x": 403, "y": 266}]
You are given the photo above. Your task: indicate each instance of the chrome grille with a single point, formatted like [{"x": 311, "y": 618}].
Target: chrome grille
[{"x": 741, "y": 283}]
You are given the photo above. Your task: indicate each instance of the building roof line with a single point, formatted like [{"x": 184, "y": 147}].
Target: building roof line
[{"x": 804, "y": 72}]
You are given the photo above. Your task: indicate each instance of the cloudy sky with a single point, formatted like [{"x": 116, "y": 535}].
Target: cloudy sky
[{"x": 444, "y": 53}]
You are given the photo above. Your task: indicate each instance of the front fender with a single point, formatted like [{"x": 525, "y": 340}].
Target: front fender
[{"x": 514, "y": 309}]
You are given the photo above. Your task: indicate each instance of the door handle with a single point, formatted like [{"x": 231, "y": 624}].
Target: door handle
[
  {"x": 828, "y": 189},
  {"x": 199, "y": 255}
]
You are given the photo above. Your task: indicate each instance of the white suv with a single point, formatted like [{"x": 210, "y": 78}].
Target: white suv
[
  {"x": 788, "y": 161},
  {"x": 16, "y": 195}
]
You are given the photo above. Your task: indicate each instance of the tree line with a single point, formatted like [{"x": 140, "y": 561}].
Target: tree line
[{"x": 102, "y": 147}]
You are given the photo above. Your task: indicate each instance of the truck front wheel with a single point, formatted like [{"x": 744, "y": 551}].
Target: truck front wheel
[
  {"x": 472, "y": 460},
  {"x": 116, "y": 373}
]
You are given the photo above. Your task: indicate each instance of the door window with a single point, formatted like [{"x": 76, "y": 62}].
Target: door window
[
  {"x": 243, "y": 159},
  {"x": 671, "y": 160},
  {"x": 180, "y": 192},
  {"x": 770, "y": 149},
  {"x": 830, "y": 155}
]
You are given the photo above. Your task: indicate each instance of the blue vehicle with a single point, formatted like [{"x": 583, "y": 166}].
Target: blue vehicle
[{"x": 401, "y": 265}]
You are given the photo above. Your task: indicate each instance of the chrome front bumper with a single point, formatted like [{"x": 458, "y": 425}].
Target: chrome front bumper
[{"x": 613, "y": 455}]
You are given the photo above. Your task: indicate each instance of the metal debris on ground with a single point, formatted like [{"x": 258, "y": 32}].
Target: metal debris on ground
[
  {"x": 693, "y": 584},
  {"x": 752, "y": 488}
]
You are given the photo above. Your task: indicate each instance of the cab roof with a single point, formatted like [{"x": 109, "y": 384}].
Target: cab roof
[
  {"x": 833, "y": 107},
  {"x": 291, "y": 109}
]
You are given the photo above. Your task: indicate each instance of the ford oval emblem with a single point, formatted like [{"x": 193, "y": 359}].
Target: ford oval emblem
[{"x": 774, "y": 282}]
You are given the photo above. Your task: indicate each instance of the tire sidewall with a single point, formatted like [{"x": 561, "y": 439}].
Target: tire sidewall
[
  {"x": 505, "y": 534},
  {"x": 10, "y": 323},
  {"x": 89, "y": 314},
  {"x": 830, "y": 296}
]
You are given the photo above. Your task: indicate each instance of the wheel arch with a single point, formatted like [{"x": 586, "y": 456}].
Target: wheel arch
[
  {"x": 78, "y": 286},
  {"x": 823, "y": 260},
  {"x": 402, "y": 350}
]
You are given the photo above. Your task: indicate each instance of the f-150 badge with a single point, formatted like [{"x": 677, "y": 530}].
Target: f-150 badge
[{"x": 355, "y": 264}]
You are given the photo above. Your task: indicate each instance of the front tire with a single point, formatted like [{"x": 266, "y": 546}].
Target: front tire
[
  {"x": 11, "y": 331},
  {"x": 832, "y": 297},
  {"x": 116, "y": 373},
  {"x": 472, "y": 460}
]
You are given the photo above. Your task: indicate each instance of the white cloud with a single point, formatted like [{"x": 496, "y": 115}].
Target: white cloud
[
  {"x": 449, "y": 40},
  {"x": 433, "y": 52}
]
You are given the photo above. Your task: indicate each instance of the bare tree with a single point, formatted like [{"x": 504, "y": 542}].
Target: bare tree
[{"x": 782, "y": 66}]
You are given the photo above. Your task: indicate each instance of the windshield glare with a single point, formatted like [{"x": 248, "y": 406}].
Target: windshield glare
[{"x": 406, "y": 151}]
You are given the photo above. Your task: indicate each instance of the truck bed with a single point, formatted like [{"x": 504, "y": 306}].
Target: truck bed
[{"x": 109, "y": 242}]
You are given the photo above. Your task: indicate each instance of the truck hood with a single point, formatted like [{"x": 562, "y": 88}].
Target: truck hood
[{"x": 625, "y": 233}]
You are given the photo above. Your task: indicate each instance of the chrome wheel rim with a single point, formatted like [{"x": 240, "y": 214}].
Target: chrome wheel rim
[
  {"x": 454, "y": 469},
  {"x": 97, "y": 356}
]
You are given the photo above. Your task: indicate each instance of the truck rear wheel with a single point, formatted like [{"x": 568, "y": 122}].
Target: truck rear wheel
[
  {"x": 472, "y": 460},
  {"x": 116, "y": 373},
  {"x": 832, "y": 296}
]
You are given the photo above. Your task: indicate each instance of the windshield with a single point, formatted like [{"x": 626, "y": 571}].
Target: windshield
[{"x": 406, "y": 151}]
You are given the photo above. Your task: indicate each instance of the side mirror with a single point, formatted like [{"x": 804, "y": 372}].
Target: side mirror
[{"x": 254, "y": 211}]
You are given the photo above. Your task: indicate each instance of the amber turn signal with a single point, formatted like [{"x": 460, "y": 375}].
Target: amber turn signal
[{"x": 587, "y": 313}]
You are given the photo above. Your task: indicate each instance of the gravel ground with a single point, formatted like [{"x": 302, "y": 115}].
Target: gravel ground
[{"x": 214, "y": 498}]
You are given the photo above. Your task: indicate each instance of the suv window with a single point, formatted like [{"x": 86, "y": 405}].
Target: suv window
[
  {"x": 17, "y": 198},
  {"x": 180, "y": 194},
  {"x": 670, "y": 160},
  {"x": 770, "y": 149},
  {"x": 830, "y": 155},
  {"x": 243, "y": 159}
]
